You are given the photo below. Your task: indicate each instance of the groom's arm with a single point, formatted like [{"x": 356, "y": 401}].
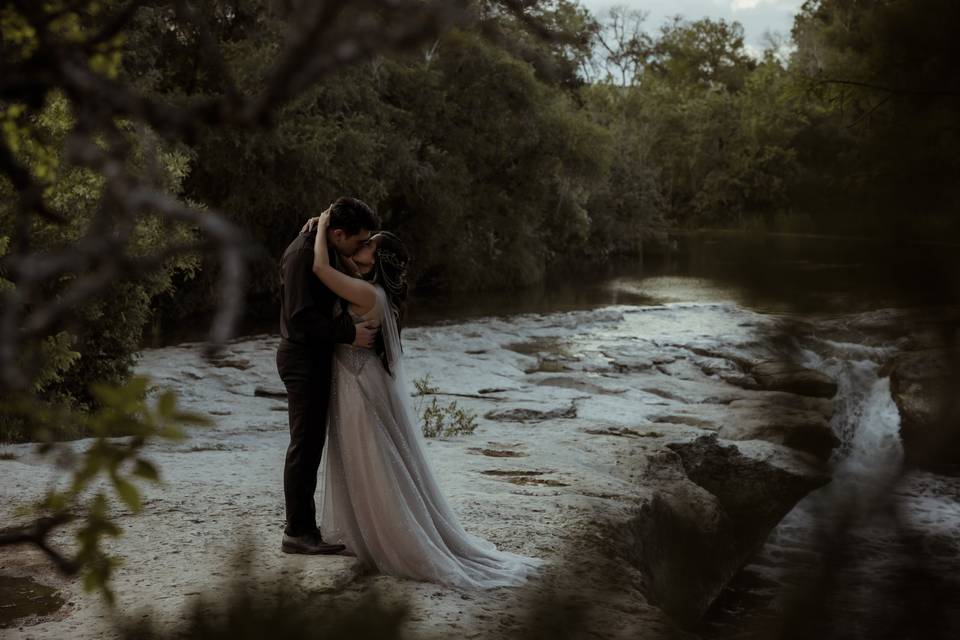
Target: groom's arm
[
  {"x": 321, "y": 328},
  {"x": 307, "y": 316}
]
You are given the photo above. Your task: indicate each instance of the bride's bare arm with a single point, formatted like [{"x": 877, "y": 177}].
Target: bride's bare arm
[{"x": 355, "y": 290}]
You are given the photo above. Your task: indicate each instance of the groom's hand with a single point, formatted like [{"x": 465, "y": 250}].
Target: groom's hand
[{"x": 366, "y": 334}]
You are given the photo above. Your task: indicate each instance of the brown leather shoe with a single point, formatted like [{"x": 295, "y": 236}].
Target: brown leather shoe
[{"x": 310, "y": 544}]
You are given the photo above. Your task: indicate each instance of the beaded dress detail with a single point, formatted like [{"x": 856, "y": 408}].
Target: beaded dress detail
[{"x": 379, "y": 494}]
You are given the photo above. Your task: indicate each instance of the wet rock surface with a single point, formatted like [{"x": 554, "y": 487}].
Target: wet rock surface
[
  {"x": 862, "y": 555},
  {"x": 24, "y": 600},
  {"x": 792, "y": 378},
  {"x": 636, "y": 466},
  {"x": 924, "y": 386}
]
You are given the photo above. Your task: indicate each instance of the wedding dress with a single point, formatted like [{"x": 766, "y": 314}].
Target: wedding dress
[{"x": 379, "y": 494}]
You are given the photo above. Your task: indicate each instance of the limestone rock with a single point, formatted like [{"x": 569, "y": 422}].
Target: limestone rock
[
  {"x": 923, "y": 384},
  {"x": 796, "y": 422},
  {"x": 532, "y": 415},
  {"x": 709, "y": 523},
  {"x": 793, "y": 378}
]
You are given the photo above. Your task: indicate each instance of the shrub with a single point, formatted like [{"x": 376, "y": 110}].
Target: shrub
[{"x": 439, "y": 421}]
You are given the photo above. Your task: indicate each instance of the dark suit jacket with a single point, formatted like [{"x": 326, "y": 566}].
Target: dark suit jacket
[{"x": 307, "y": 305}]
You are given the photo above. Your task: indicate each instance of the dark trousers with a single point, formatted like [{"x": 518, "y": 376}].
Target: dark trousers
[{"x": 307, "y": 378}]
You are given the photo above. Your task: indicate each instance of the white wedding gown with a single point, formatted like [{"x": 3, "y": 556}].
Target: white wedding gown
[{"x": 379, "y": 494}]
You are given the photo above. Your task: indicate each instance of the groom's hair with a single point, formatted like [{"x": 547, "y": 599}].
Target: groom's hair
[{"x": 352, "y": 215}]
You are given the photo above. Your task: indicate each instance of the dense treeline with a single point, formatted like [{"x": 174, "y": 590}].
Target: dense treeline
[
  {"x": 499, "y": 155},
  {"x": 879, "y": 149}
]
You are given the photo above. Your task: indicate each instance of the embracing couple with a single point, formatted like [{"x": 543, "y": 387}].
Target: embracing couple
[{"x": 344, "y": 290}]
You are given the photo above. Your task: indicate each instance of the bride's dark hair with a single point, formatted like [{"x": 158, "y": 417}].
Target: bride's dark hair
[{"x": 390, "y": 272}]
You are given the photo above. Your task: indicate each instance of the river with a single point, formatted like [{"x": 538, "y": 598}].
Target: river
[{"x": 764, "y": 273}]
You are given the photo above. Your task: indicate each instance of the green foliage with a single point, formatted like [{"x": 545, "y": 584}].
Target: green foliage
[
  {"x": 438, "y": 421},
  {"x": 702, "y": 54},
  {"x": 424, "y": 385},
  {"x": 99, "y": 344},
  {"x": 441, "y": 421},
  {"x": 476, "y": 153},
  {"x": 256, "y": 604},
  {"x": 486, "y": 152},
  {"x": 106, "y": 462},
  {"x": 882, "y": 143}
]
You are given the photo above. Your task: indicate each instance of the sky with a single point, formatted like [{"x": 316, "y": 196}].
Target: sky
[{"x": 756, "y": 16}]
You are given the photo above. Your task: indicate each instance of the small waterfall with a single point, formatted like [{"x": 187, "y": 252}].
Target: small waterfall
[
  {"x": 865, "y": 419},
  {"x": 868, "y": 459},
  {"x": 864, "y": 468}
]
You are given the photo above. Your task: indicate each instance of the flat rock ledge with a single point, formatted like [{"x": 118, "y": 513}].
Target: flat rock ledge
[{"x": 645, "y": 487}]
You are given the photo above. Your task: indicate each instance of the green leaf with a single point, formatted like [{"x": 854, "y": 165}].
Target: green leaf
[
  {"x": 127, "y": 492},
  {"x": 55, "y": 502},
  {"x": 167, "y": 404},
  {"x": 171, "y": 432},
  {"x": 145, "y": 469},
  {"x": 92, "y": 581}
]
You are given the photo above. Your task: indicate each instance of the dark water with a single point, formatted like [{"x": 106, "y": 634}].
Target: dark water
[
  {"x": 774, "y": 273},
  {"x": 23, "y": 598}
]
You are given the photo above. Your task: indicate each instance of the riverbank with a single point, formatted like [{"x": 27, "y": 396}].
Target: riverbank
[
  {"x": 874, "y": 553},
  {"x": 596, "y": 449}
]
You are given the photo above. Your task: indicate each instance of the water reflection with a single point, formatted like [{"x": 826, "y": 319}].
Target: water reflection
[{"x": 767, "y": 273}]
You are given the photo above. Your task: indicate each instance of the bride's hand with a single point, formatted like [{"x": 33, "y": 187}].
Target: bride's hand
[
  {"x": 324, "y": 220},
  {"x": 309, "y": 225},
  {"x": 312, "y": 223}
]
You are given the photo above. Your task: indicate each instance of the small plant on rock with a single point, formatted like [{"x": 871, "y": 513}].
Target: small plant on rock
[{"x": 439, "y": 421}]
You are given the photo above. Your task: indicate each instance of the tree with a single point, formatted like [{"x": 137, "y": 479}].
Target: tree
[
  {"x": 702, "y": 53},
  {"x": 622, "y": 48},
  {"x": 884, "y": 76}
]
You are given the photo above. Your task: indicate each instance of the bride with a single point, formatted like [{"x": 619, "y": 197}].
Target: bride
[{"x": 380, "y": 497}]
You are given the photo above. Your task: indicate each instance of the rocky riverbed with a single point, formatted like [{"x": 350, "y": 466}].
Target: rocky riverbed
[{"x": 645, "y": 451}]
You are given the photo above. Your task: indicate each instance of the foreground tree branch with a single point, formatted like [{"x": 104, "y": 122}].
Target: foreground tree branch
[{"x": 37, "y": 534}]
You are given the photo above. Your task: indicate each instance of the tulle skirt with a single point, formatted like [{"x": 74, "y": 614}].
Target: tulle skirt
[{"x": 380, "y": 497}]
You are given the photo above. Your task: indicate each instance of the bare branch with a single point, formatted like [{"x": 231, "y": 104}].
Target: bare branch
[
  {"x": 37, "y": 533},
  {"x": 871, "y": 111},
  {"x": 893, "y": 90}
]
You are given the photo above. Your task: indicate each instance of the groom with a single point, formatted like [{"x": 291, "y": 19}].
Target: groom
[{"x": 308, "y": 333}]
